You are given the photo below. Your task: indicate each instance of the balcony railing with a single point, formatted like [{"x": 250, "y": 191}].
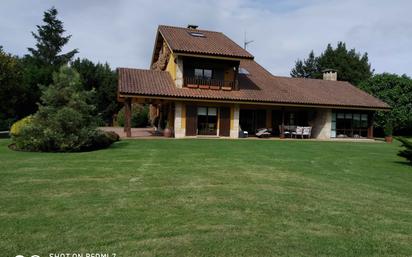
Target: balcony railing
[{"x": 216, "y": 84}]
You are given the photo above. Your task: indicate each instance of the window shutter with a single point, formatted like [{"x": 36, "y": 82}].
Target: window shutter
[
  {"x": 224, "y": 123},
  {"x": 191, "y": 120}
]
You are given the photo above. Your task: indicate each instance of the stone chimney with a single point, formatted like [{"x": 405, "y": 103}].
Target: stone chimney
[{"x": 330, "y": 74}]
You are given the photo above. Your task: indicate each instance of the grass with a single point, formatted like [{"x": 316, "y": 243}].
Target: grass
[{"x": 208, "y": 198}]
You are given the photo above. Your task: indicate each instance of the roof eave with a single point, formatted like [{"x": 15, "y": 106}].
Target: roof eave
[{"x": 273, "y": 103}]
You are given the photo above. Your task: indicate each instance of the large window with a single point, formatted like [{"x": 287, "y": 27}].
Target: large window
[
  {"x": 207, "y": 120},
  {"x": 203, "y": 73},
  {"x": 349, "y": 124}
]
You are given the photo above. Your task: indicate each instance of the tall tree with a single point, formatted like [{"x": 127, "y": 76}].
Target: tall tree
[
  {"x": 104, "y": 80},
  {"x": 351, "y": 65},
  {"x": 397, "y": 92},
  {"x": 45, "y": 58},
  {"x": 50, "y": 41},
  {"x": 11, "y": 89},
  {"x": 308, "y": 68}
]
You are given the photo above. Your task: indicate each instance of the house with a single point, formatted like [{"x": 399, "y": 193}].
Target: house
[{"x": 202, "y": 83}]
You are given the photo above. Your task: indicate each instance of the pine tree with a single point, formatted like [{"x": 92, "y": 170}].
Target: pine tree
[
  {"x": 308, "y": 68},
  {"x": 65, "y": 119},
  {"x": 50, "y": 41},
  {"x": 44, "y": 59},
  {"x": 351, "y": 66}
]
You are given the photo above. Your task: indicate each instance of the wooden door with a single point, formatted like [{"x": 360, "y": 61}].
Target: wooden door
[
  {"x": 191, "y": 120},
  {"x": 224, "y": 122}
]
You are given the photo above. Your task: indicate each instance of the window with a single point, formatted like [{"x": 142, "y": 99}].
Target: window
[
  {"x": 196, "y": 34},
  {"x": 349, "y": 124},
  {"x": 333, "y": 130},
  {"x": 243, "y": 71},
  {"x": 203, "y": 73},
  {"x": 207, "y": 120}
]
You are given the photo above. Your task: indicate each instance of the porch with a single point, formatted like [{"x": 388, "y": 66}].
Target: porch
[{"x": 229, "y": 120}]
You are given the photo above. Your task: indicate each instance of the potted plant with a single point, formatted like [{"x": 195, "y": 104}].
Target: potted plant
[
  {"x": 168, "y": 131},
  {"x": 388, "y": 132}
]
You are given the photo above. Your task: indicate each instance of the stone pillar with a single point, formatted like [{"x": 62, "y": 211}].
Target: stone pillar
[
  {"x": 180, "y": 120},
  {"x": 128, "y": 117},
  {"x": 322, "y": 124},
  {"x": 179, "y": 72},
  {"x": 234, "y": 121}
]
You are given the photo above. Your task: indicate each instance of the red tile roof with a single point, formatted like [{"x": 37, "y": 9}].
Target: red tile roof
[
  {"x": 213, "y": 43},
  {"x": 257, "y": 86}
]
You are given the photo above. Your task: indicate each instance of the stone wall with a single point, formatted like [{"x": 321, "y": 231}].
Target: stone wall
[
  {"x": 321, "y": 124},
  {"x": 234, "y": 121},
  {"x": 180, "y": 122}
]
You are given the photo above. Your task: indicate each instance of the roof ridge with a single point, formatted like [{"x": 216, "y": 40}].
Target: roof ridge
[
  {"x": 139, "y": 69},
  {"x": 301, "y": 78},
  {"x": 188, "y": 29}
]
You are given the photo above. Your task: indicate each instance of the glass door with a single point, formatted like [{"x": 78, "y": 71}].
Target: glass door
[{"x": 207, "y": 120}]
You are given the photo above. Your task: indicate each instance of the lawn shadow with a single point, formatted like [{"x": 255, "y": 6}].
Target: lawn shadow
[{"x": 404, "y": 163}]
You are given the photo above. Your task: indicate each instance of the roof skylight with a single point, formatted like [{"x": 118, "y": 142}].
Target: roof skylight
[
  {"x": 196, "y": 34},
  {"x": 243, "y": 71}
]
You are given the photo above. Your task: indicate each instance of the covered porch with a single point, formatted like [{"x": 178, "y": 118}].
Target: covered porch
[
  {"x": 233, "y": 120},
  {"x": 309, "y": 122}
]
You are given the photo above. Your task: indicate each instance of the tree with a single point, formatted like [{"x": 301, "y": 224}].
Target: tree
[
  {"x": 45, "y": 58},
  {"x": 65, "y": 120},
  {"x": 308, "y": 68},
  {"x": 397, "y": 92},
  {"x": 351, "y": 66},
  {"x": 50, "y": 41},
  {"x": 104, "y": 80},
  {"x": 407, "y": 151},
  {"x": 11, "y": 89}
]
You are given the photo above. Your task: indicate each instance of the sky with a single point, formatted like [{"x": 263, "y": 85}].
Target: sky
[{"x": 122, "y": 32}]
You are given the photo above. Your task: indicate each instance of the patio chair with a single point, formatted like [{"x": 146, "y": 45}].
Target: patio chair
[
  {"x": 298, "y": 132},
  {"x": 263, "y": 132},
  {"x": 243, "y": 133},
  {"x": 307, "y": 131}
]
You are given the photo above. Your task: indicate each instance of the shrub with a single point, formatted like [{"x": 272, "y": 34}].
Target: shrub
[
  {"x": 140, "y": 116},
  {"x": 407, "y": 152},
  {"x": 18, "y": 125},
  {"x": 101, "y": 140},
  {"x": 64, "y": 121}
]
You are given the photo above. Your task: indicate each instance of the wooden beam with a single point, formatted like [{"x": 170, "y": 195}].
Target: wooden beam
[
  {"x": 282, "y": 128},
  {"x": 128, "y": 117},
  {"x": 269, "y": 118},
  {"x": 370, "y": 124}
]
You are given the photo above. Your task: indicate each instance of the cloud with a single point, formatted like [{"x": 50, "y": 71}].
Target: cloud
[{"x": 123, "y": 32}]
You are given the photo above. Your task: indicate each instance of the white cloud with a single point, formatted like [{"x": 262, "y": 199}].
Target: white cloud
[{"x": 123, "y": 32}]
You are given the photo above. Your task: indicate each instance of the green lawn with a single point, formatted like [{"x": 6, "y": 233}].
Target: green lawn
[{"x": 208, "y": 198}]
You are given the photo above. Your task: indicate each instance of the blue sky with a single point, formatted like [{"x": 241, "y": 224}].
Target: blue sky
[{"x": 122, "y": 32}]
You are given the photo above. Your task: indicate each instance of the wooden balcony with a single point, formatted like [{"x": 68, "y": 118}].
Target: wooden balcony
[{"x": 214, "y": 84}]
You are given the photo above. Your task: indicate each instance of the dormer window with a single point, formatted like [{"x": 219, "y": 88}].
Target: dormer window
[
  {"x": 243, "y": 71},
  {"x": 196, "y": 34},
  {"x": 203, "y": 73}
]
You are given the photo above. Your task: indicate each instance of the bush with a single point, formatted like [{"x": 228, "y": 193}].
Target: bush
[
  {"x": 102, "y": 140},
  {"x": 64, "y": 122},
  {"x": 406, "y": 153},
  {"x": 140, "y": 116},
  {"x": 18, "y": 125}
]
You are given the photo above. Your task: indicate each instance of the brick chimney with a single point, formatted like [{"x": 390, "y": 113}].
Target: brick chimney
[{"x": 330, "y": 74}]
